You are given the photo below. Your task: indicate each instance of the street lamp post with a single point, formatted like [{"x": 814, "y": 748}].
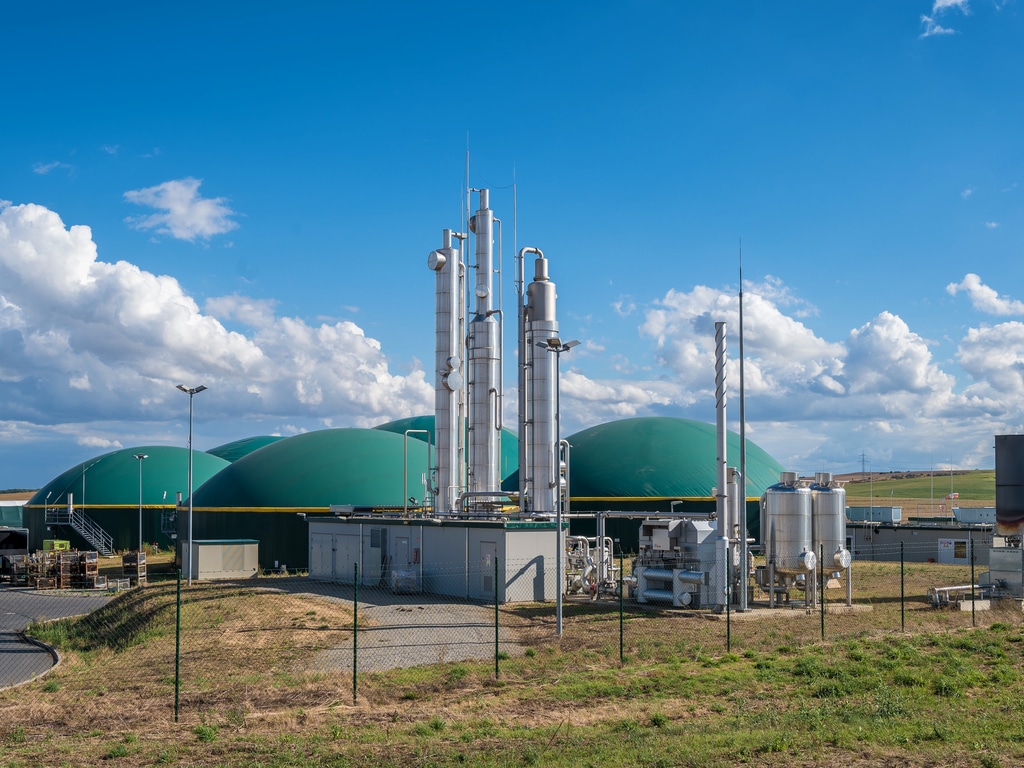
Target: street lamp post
[
  {"x": 191, "y": 392},
  {"x": 556, "y": 346},
  {"x": 140, "y": 457}
]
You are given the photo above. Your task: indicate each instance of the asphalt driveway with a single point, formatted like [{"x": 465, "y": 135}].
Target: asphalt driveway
[{"x": 21, "y": 660}]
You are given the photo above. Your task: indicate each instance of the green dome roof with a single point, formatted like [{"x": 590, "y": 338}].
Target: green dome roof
[
  {"x": 362, "y": 467},
  {"x": 112, "y": 480},
  {"x": 509, "y": 439},
  {"x": 659, "y": 457},
  {"x": 236, "y": 449}
]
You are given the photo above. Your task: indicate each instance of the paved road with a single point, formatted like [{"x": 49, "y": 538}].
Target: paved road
[{"x": 21, "y": 660}]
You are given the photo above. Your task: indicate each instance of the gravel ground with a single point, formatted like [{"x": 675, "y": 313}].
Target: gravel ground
[{"x": 407, "y": 630}]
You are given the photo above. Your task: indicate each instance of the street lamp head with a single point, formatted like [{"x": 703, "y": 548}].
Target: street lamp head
[
  {"x": 140, "y": 456},
  {"x": 192, "y": 390},
  {"x": 555, "y": 344}
]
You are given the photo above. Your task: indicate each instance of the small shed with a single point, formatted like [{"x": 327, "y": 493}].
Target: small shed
[
  {"x": 442, "y": 556},
  {"x": 223, "y": 558}
]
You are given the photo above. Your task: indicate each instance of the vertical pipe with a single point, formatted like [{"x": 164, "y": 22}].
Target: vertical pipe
[
  {"x": 191, "y": 557},
  {"x": 355, "y": 632}
]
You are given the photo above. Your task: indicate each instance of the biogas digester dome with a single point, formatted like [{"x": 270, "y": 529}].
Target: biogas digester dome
[
  {"x": 264, "y": 494},
  {"x": 644, "y": 464},
  {"x": 106, "y": 488},
  {"x": 417, "y": 426}
]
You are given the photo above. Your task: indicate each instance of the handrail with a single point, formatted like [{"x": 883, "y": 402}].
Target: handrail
[{"x": 84, "y": 525}]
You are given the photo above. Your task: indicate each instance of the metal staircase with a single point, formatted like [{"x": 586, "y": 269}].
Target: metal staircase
[{"x": 84, "y": 525}]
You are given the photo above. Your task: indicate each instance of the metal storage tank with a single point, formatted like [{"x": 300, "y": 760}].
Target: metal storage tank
[
  {"x": 828, "y": 521},
  {"x": 786, "y": 521}
]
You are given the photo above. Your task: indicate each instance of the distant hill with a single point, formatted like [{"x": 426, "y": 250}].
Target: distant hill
[{"x": 922, "y": 492}]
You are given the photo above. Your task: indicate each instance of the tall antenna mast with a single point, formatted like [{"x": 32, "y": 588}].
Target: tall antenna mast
[{"x": 742, "y": 485}]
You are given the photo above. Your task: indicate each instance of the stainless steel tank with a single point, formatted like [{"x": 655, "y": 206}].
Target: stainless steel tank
[
  {"x": 449, "y": 406},
  {"x": 540, "y": 479},
  {"x": 786, "y": 523},
  {"x": 828, "y": 521}
]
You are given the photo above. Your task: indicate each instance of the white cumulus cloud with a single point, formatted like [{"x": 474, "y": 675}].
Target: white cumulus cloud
[
  {"x": 985, "y": 299},
  {"x": 183, "y": 213},
  {"x": 88, "y": 340}
]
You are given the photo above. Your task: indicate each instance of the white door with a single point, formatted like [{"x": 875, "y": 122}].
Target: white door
[
  {"x": 321, "y": 560},
  {"x": 346, "y": 556},
  {"x": 401, "y": 558}
]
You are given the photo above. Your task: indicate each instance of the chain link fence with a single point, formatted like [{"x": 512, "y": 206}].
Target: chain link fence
[{"x": 238, "y": 649}]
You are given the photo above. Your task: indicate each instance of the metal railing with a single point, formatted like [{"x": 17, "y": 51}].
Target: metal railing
[{"x": 84, "y": 525}]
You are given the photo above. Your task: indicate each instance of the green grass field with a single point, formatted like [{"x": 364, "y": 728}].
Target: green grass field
[
  {"x": 943, "y": 693},
  {"x": 976, "y": 488}
]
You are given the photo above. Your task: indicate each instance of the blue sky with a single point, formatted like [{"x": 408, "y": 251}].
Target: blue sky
[{"x": 243, "y": 195}]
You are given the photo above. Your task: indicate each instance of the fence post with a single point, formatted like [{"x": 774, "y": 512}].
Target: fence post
[
  {"x": 821, "y": 587},
  {"x": 903, "y": 601},
  {"x": 622, "y": 610},
  {"x": 177, "y": 649},
  {"x": 497, "y": 652},
  {"x": 728, "y": 617},
  {"x": 355, "y": 637},
  {"x": 974, "y": 600}
]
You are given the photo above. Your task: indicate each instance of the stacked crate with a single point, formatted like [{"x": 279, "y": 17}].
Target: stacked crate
[
  {"x": 133, "y": 565},
  {"x": 66, "y": 569},
  {"x": 42, "y": 570},
  {"x": 89, "y": 570},
  {"x": 19, "y": 569}
]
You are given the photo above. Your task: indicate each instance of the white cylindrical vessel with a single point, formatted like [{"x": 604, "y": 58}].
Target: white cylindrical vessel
[{"x": 483, "y": 351}]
